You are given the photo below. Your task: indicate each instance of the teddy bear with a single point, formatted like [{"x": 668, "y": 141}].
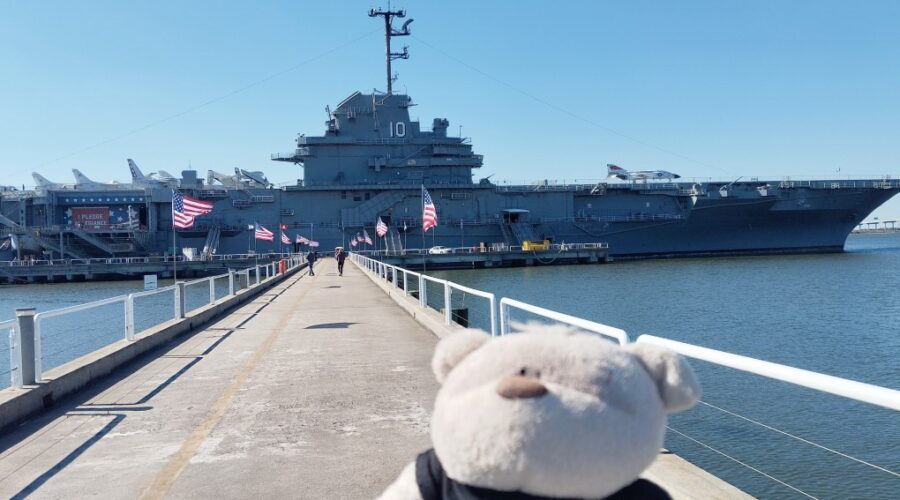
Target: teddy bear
[{"x": 546, "y": 413}]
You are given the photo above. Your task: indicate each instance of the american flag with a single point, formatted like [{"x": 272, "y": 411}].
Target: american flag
[
  {"x": 262, "y": 233},
  {"x": 360, "y": 238},
  {"x": 353, "y": 243},
  {"x": 285, "y": 239},
  {"x": 313, "y": 244},
  {"x": 381, "y": 228},
  {"x": 301, "y": 240},
  {"x": 185, "y": 209},
  {"x": 429, "y": 213},
  {"x": 366, "y": 237}
]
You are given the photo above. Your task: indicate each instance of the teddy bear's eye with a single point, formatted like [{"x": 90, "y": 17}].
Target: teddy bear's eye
[{"x": 525, "y": 372}]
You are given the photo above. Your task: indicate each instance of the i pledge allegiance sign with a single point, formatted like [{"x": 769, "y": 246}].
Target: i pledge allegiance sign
[{"x": 90, "y": 217}]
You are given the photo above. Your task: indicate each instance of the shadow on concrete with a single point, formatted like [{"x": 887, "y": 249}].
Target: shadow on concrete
[
  {"x": 68, "y": 459},
  {"x": 329, "y": 325}
]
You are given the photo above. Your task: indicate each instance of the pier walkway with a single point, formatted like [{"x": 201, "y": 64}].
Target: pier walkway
[{"x": 319, "y": 388}]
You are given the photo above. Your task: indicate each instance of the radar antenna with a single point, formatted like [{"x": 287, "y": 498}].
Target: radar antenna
[{"x": 389, "y": 32}]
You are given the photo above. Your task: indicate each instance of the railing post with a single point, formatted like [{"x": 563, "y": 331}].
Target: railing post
[
  {"x": 180, "y": 296},
  {"x": 15, "y": 359},
  {"x": 504, "y": 319},
  {"x": 29, "y": 347},
  {"x": 423, "y": 291},
  {"x": 448, "y": 313},
  {"x": 129, "y": 317},
  {"x": 212, "y": 290},
  {"x": 493, "y": 306},
  {"x": 257, "y": 274},
  {"x": 231, "y": 282}
]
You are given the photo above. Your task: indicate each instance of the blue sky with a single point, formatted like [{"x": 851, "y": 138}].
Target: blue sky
[{"x": 545, "y": 90}]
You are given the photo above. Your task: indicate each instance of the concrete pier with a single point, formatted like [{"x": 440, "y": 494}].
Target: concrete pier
[{"x": 319, "y": 388}]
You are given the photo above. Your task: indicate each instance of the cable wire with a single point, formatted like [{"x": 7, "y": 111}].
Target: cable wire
[
  {"x": 566, "y": 111},
  {"x": 729, "y": 457},
  {"x": 798, "y": 438}
]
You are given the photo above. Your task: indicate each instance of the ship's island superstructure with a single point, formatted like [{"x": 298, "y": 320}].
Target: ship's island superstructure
[{"x": 372, "y": 162}]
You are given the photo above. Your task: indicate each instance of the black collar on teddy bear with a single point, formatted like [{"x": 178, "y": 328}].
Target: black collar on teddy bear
[{"x": 435, "y": 485}]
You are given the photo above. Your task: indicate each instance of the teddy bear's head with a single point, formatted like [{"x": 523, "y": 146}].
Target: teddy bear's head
[{"x": 552, "y": 412}]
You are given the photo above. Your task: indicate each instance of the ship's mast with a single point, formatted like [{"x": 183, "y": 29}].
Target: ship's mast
[{"x": 389, "y": 32}]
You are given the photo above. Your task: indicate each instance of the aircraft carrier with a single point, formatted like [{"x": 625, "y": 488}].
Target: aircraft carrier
[{"x": 372, "y": 162}]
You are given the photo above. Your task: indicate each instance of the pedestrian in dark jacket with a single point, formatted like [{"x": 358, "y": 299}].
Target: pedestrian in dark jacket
[
  {"x": 341, "y": 257},
  {"x": 311, "y": 259}
]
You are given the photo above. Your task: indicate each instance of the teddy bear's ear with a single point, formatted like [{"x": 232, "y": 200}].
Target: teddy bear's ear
[
  {"x": 675, "y": 380},
  {"x": 452, "y": 349}
]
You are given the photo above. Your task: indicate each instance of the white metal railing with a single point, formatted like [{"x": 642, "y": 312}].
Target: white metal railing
[
  {"x": 270, "y": 270},
  {"x": 14, "y": 372},
  {"x": 390, "y": 272},
  {"x": 492, "y": 301},
  {"x": 41, "y": 316},
  {"x": 867, "y": 393},
  {"x": 129, "y": 306},
  {"x": 591, "y": 326},
  {"x": 872, "y": 394},
  {"x": 211, "y": 284}
]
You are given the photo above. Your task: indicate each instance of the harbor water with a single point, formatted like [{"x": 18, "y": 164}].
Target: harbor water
[{"x": 835, "y": 313}]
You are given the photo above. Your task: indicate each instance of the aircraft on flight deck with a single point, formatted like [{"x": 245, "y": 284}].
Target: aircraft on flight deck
[
  {"x": 638, "y": 175},
  {"x": 44, "y": 183},
  {"x": 161, "y": 178}
]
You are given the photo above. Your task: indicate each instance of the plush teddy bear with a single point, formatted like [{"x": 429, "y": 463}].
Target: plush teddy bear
[{"x": 546, "y": 413}]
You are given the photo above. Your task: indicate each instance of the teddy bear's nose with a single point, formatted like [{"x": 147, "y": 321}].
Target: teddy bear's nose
[{"x": 518, "y": 387}]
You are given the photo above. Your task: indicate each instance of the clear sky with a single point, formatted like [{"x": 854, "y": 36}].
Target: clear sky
[{"x": 545, "y": 89}]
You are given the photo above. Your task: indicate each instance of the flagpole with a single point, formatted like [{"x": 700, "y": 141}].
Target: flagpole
[
  {"x": 424, "y": 256},
  {"x": 174, "y": 253}
]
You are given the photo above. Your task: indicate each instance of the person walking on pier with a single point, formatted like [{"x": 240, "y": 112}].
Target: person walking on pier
[
  {"x": 311, "y": 258},
  {"x": 341, "y": 257}
]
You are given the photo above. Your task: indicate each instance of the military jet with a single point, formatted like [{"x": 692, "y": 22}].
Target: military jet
[
  {"x": 83, "y": 182},
  {"x": 42, "y": 182},
  {"x": 161, "y": 178},
  {"x": 638, "y": 175}
]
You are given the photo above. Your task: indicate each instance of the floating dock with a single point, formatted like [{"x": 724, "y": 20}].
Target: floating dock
[{"x": 320, "y": 387}]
